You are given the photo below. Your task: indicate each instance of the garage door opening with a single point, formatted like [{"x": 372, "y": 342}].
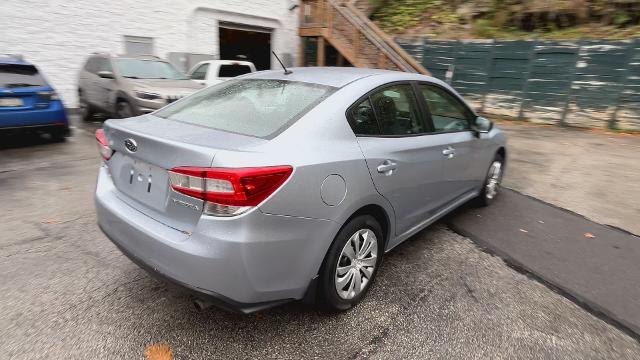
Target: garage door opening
[{"x": 253, "y": 45}]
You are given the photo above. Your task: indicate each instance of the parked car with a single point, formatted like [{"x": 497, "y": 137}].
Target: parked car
[
  {"x": 28, "y": 101},
  {"x": 124, "y": 86},
  {"x": 216, "y": 71},
  {"x": 274, "y": 187}
]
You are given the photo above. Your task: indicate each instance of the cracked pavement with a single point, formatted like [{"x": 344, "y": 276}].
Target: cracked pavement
[{"x": 67, "y": 292}]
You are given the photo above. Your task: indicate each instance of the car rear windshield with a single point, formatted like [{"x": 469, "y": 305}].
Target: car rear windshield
[
  {"x": 233, "y": 70},
  {"x": 17, "y": 76},
  {"x": 254, "y": 107}
]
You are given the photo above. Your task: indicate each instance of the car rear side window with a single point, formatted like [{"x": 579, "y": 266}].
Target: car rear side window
[
  {"x": 254, "y": 107},
  {"x": 19, "y": 76},
  {"x": 363, "y": 119},
  {"x": 233, "y": 70},
  {"x": 397, "y": 110}
]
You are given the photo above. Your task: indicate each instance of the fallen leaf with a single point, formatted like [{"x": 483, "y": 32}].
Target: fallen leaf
[
  {"x": 589, "y": 235},
  {"x": 524, "y": 231},
  {"x": 158, "y": 352}
]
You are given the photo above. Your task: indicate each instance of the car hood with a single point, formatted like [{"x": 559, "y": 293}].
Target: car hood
[{"x": 167, "y": 87}]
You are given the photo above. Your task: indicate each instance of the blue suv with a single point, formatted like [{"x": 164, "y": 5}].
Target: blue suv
[{"x": 27, "y": 101}]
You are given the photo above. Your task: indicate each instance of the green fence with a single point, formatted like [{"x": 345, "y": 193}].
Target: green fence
[{"x": 579, "y": 83}]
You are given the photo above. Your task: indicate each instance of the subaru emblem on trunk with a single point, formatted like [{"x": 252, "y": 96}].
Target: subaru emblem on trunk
[{"x": 131, "y": 145}]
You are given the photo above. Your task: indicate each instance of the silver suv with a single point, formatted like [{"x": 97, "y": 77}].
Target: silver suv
[{"x": 125, "y": 86}]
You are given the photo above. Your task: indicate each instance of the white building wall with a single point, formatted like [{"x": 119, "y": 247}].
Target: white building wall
[{"x": 57, "y": 35}]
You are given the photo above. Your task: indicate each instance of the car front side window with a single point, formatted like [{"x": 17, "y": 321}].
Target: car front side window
[{"x": 447, "y": 112}]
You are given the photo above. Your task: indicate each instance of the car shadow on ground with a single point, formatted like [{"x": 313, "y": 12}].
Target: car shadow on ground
[{"x": 25, "y": 139}]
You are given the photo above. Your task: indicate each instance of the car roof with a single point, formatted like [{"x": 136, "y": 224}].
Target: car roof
[
  {"x": 226, "y": 62},
  {"x": 12, "y": 60},
  {"x": 138, "y": 57},
  {"x": 330, "y": 76}
]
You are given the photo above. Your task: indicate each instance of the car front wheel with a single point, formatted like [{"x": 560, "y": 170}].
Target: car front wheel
[
  {"x": 491, "y": 186},
  {"x": 351, "y": 264},
  {"x": 123, "y": 109}
]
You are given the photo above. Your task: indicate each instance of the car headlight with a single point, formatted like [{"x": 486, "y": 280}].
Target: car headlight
[{"x": 147, "y": 95}]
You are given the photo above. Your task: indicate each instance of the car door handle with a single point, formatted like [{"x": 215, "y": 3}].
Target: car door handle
[
  {"x": 449, "y": 152},
  {"x": 387, "y": 167}
]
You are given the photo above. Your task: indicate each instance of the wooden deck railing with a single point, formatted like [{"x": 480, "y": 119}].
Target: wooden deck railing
[{"x": 352, "y": 34}]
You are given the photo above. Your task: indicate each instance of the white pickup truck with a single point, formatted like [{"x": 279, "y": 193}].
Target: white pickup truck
[{"x": 216, "y": 71}]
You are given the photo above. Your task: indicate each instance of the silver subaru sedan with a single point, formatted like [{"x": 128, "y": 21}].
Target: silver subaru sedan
[{"x": 280, "y": 186}]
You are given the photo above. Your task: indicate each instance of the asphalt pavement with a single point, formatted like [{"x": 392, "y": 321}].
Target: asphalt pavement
[
  {"x": 67, "y": 292},
  {"x": 595, "y": 265}
]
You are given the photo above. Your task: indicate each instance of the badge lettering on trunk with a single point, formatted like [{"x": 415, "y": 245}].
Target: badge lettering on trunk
[
  {"x": 186, "y": 204},
  {"x": 131, "y": 145}
]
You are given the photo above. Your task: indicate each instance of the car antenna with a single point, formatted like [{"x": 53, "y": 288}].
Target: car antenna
[{"x": 286, "y": 71}]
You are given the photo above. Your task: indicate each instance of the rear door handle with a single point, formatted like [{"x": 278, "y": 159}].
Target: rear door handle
[
  {"x": 387, "y": 167},
  {"x": 449, "y": 152}
]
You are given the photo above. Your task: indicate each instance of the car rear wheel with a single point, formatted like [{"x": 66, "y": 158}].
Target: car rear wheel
[
  {"x": 123, "y": 109},
  {"x": 351, "y": 263},
  {"x": 491, "y": 186}
]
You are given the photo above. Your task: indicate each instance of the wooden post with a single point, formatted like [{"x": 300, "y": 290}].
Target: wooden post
[
  {"x": 321, "y": 11},
  {"x": 321, "y": 48},
  {"x": 329, "y": 19},
  {"x": 301, "y": 54}
]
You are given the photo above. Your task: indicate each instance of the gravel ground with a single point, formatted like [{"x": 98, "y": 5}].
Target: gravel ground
[{"x": 67, "y": 292}]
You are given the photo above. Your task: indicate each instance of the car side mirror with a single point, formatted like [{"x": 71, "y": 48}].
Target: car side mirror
[
  {"x": 105, "y": 74},
  {"x": 482, "y": 125}
]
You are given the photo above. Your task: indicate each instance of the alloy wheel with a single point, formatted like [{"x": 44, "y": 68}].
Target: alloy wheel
[
  {"x": 356, "y": 264},
  {"x": 493, "y": 180}
]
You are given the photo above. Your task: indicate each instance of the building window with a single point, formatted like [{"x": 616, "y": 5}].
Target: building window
[{"x": 138, "y": 45}]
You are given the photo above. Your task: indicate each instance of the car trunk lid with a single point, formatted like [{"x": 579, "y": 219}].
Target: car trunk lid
[{"x": 147, "y": 147}]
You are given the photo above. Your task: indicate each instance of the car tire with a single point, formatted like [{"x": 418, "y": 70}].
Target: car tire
[
  {"x": 59, "y": 135},
  {"x": 351, "y": 264},
  {"x": 491, "y": 184},
  {"x": 124, "y": 109},
  {"x": 85, "y": 108}
]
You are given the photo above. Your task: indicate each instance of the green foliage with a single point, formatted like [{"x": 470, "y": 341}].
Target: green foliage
[
  {"x": 621, "y": 19},
  {"x": 397, "y": 16},
  {"x": 510, "y": 19}
]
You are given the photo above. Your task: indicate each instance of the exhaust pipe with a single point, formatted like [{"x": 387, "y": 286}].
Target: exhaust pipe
[{"x": 201, "y": 305}]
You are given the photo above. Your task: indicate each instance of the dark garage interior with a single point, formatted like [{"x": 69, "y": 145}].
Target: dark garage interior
[{"x": 252, "y": 45}]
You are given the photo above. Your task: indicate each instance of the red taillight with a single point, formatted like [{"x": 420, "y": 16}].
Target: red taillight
[
  {"x": 103, "y": 145},
  {"x": 229, "y": 191}
]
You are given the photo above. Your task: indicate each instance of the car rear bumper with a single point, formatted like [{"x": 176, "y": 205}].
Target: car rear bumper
[
  {"x": 54, "y": 115},
  {"x": 245, "y": 263}
]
